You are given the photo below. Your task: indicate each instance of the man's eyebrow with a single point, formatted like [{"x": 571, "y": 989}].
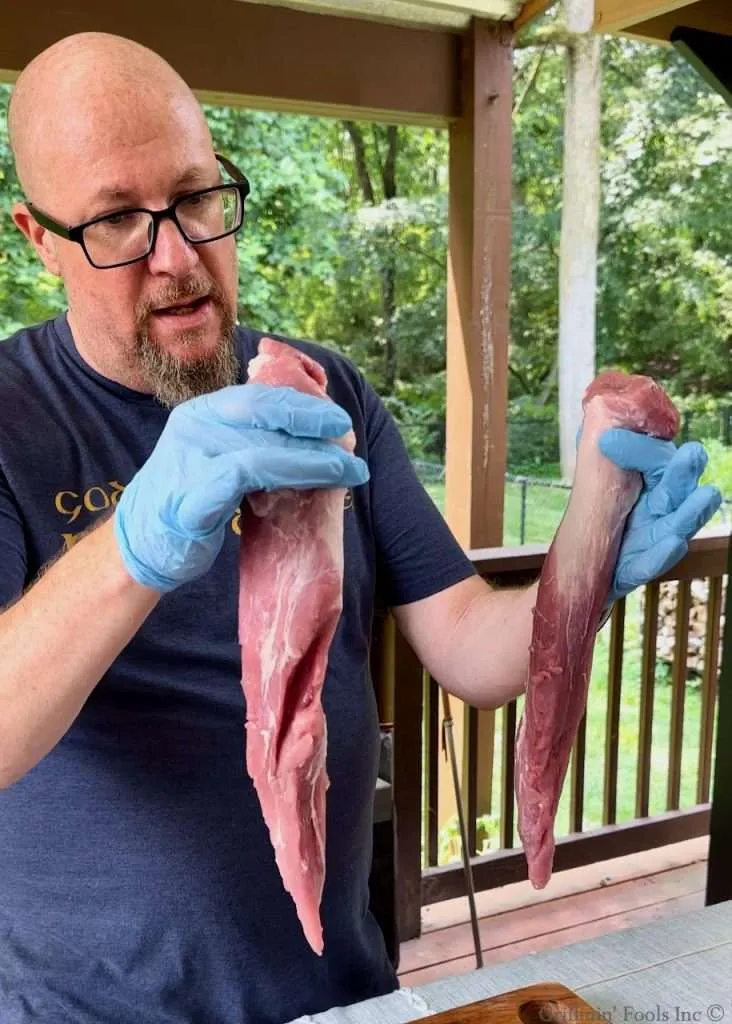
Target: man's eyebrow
[
  {"x": 113, "y": 194},
  {"x": 193, "y": 177}
]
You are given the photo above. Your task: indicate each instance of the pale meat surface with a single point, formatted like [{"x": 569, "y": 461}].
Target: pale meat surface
[
  {"x": 573, "y": 587},
  {"x": 291, "y": 584}
]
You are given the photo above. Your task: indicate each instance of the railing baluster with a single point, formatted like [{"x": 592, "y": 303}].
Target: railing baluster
[
  {"x": 470, "y": 774},
  {"x": 678, "y": 693},
  {"x": 508, "y": 749},
  {"x": 647, "y": 689},
  {"x": 381, "y": 655},
  {"x": 408, "y": 678},
  {"x": 577, "y": 779},
  {"x": 709, "y": 688},
  {"x": 431, "y": 770},
  {"x": 612, "y": 724},
  {"x": 706, "y": 558}
]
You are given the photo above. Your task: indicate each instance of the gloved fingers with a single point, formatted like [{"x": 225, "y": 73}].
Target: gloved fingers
[
  {"x": 644, "y": 531},
  {"x": 298, "y": 414},
  {"x": 680, "y": 478},
  {"x": 228, "y": 477},
  {"x": 637, "y": 570},
  {"x": 696, "y": 510},
  {"x": 633, "y": 451},
  {"x": 277, "y": 408},
  {"x": 302, "y": 469}
]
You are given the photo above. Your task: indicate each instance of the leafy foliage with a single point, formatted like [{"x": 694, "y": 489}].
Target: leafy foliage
[{"x": 345, "y": 242}]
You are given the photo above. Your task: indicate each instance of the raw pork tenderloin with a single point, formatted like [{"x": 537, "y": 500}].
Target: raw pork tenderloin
[
  {"x": 290, "y": 601},
  {"x": 573, "y": 586}
]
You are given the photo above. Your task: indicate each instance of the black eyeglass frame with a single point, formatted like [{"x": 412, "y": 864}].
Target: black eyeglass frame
[{"x": 75, "y": 233}]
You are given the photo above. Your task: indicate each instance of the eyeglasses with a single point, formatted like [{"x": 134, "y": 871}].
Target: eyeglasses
[{"x": 117, "y": 239}]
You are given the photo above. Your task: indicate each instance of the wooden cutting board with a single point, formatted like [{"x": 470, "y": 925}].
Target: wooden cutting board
[{"x": 545, "y": 1003}]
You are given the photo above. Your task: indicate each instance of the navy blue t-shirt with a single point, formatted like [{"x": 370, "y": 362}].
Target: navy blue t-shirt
[{"x": 137, "y": 879}]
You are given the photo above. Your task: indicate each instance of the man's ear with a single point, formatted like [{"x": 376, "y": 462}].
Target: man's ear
[{"x": 41, "y": 239}]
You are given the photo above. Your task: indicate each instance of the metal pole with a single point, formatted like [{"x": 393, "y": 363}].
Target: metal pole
[
  {"x": 450, "y": 741},
  {"x": 524, "y": 488}
]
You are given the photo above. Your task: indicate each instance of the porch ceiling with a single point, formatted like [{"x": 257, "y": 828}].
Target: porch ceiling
[
  {"x": 654, "y": 20},
  {"x": 701, "y": 30},
  {"x": 441, "y": 14}
]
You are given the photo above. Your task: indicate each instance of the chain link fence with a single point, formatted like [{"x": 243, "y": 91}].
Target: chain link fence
[
  {"x": 533, "y": 437},
  {"x": 535, "y": 499},
  {"x": 533, "y": 506}
]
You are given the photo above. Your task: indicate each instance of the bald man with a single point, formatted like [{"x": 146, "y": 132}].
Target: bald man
[{"x": 137, "y": 880}]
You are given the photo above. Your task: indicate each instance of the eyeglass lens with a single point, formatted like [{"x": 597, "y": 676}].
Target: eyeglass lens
[{"x": 128, "y": 236}]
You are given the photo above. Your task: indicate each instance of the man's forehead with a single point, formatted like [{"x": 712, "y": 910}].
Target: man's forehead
[
  {"x": 194, "y": 175},
  {"x": 89, "y": 94},
  {"x": 102, "y": 156}
]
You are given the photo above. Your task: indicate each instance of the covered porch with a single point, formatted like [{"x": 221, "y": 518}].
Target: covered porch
[{"x": 448, "y": 64}]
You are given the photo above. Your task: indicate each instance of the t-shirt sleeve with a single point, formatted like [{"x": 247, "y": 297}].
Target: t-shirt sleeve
[
  {"x": 13, "y": 561},
  {"x": 417, "y": 554}
]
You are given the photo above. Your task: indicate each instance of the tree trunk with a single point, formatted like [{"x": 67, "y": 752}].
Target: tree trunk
[
  {"x": 362, "y": 168},
  {"x": 387, "y": 169},
  {"x": 580, "y": 225},
  {"x": 388, "y": 274}
]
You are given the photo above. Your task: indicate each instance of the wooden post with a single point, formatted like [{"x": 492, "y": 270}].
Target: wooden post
[
  {"x": 580, "y": 224},
  {"x": 478, "y": 287},
  {"x": 719, "y": 879}
]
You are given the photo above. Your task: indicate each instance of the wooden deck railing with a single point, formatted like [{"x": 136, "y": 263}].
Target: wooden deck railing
[{"x": 409, "y": 700}]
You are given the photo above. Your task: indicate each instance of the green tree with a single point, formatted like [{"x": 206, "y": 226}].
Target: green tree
[{"x": 345, "y": 238}]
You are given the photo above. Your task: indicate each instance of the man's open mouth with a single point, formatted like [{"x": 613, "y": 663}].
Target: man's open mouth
[{"x": 181, "y": 308}]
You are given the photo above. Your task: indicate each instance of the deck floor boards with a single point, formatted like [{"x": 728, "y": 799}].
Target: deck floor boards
[{"x": 516, "y": 921}]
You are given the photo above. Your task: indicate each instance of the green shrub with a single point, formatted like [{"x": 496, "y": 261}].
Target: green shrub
[
  {"x": 705, "y": 417},
  {"x": 719, "y": 467},
  {"x": 533, "y": 435}
]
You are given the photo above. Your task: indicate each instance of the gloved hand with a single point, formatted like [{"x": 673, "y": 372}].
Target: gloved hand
[
  {"x": 171, "y": 519},
  {"x": 671, "y": 508}
]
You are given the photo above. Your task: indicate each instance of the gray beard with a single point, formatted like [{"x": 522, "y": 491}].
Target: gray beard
[{"x": 172, "y": 381}]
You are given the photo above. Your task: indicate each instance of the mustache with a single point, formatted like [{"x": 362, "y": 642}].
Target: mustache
[{"x": 181, "y": 291}]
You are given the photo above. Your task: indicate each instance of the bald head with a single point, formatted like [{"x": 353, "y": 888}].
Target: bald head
[
  {"x": 88, "y": 92},
  {"x": 101, "y": 126}
]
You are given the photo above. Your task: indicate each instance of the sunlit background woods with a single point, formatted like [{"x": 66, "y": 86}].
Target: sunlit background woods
[{"x": 345, "y": 243}]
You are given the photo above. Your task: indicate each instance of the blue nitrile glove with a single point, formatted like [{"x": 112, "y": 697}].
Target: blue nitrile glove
[
  {"x": 171, "y": 519},
  {"x": 671, "y": 508}
]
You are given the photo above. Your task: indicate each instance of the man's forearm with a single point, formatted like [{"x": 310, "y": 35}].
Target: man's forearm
[
  {"x": 57, "y": 642},
  {"x": 474, "y": 640},
  {"x": 493, "y": 637}
]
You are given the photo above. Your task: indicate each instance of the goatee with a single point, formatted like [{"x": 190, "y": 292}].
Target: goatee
[{"x": 172, "y": 380}]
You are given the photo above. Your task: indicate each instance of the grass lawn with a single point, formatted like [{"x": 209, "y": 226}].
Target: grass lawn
[{"x": 544, "y": 510}]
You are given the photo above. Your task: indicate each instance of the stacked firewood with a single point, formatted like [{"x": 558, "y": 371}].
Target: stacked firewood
[{"x": 698, "y": 614}]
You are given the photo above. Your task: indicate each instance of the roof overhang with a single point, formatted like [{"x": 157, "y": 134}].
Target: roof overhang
[
  {"x": 383, "y": 60},
  {"x": 654, "y": 20},
  {"x": 701, "y": 30},
  {"x": 394, "y": 60},
  {"x": 710, "y": 54},
  {"x": 439, "y": 14}
]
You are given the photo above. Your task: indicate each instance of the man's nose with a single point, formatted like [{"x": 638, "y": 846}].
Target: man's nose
[{"x": 172, "y": 253}]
